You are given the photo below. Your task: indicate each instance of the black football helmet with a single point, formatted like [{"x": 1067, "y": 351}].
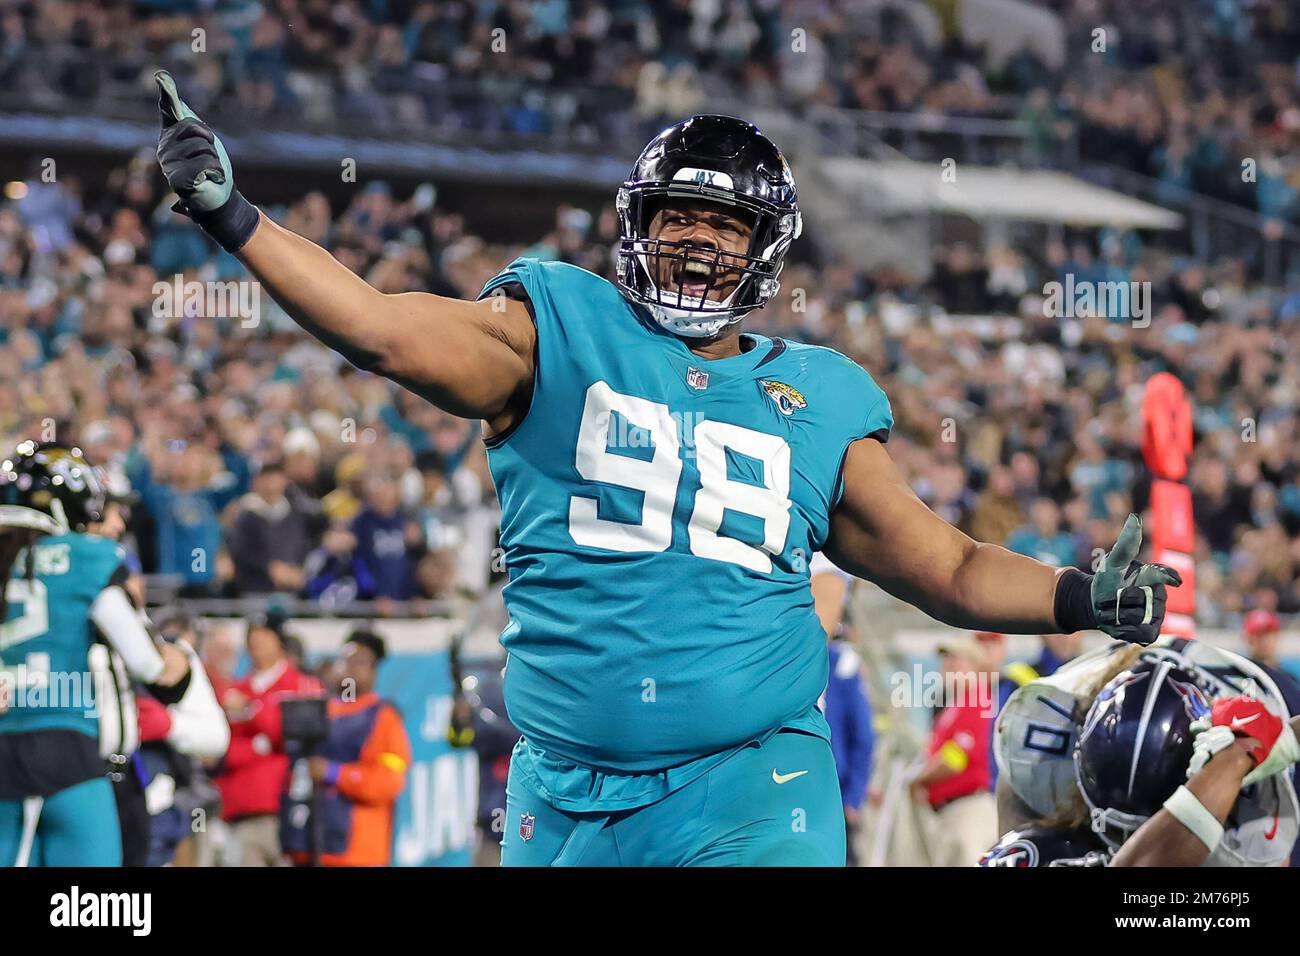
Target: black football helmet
[
  {"x": 1136, "y": 743},
  {"x": 726, "y": 160},
  {"x": 49, "y": 487}
]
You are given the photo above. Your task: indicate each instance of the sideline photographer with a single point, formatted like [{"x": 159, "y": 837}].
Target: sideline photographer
[{"x": 348, "y": 773}]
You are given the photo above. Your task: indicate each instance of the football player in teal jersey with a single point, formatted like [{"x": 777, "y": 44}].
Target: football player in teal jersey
[
  {"x": 64, "y": 589},
  {"x": 664, "y": 479}
]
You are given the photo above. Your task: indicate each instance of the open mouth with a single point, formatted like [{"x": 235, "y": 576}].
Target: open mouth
[{"x": 693, "y": 277}]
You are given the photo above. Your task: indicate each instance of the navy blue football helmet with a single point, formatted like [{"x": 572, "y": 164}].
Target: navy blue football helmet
[
  {"x": 1037, "y": 844},
  {"x": 1136, "y": 743},
  {"x": 725, "y": 160}
]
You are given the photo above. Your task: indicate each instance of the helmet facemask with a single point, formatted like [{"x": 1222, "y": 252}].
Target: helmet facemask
[
  {"x": 1113, "y": 826},
  {"x": 679, "y": 281}
]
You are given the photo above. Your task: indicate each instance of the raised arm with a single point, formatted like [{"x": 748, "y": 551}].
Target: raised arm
[
  {"x": 883, "y": 532},
  {"x": 473, "y": 359}
]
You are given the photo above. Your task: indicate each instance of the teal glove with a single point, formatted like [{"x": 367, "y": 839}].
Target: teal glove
[
  {"x": 197, "y": 168},
  {"x": 1125, "y": 598}
]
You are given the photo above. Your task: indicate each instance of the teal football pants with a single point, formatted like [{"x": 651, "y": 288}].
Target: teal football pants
[
  {"x": 77, "y": 826},
  {"x": 771, "y": 804}
]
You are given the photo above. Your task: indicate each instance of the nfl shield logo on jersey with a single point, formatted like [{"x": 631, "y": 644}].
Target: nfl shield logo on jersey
[
  {"x": 526, "y": 821},
  {"x": 697, "y": 379}
]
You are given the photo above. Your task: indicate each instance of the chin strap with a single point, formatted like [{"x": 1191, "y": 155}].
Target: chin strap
[
  {"x": 693, "y": 324},
  {"x": 690, "y": 324}
]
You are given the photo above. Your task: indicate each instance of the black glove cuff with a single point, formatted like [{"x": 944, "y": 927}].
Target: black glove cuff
[
  {"x": 170, "y": 695},
  {"x": 233, "y": 224},
  {"x": 1073, "y": 604}
]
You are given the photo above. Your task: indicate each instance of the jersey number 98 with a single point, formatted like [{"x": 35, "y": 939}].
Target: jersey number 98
[{"x": 658, "y": 476}]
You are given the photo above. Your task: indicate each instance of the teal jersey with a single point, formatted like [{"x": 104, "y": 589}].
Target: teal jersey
[
  {"x": 659, "y": 512},
  {"x": 47, "y": 633}
]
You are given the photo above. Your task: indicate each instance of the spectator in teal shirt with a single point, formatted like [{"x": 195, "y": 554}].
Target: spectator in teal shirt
[
  {"x": 1043, "y": 538},
  {"x": 181, "y": 508}
]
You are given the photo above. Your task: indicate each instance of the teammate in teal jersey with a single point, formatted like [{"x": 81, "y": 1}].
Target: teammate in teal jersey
[
  {"x": 665, "y": 479},
  {"x": 63, "y": 588}
]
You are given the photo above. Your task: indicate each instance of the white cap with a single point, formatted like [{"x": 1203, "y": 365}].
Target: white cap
[{"x": 300, "y": 440}]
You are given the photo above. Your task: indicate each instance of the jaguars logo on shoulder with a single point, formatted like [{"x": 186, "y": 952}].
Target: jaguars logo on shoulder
[{"x": 788, "y": 399}]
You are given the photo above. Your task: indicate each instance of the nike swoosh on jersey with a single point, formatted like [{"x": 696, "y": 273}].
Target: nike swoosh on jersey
[
  {"x": 786, "y": 777},
  {"x": 1238, "y": 722}
]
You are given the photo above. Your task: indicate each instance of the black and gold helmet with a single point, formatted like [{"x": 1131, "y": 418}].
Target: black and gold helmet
[{"x": 51, "y": 488}]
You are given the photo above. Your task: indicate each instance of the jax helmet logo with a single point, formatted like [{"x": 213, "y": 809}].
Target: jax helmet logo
[
  {"x": 704, "y": 177},
  {"x": 788, "y": 399}
]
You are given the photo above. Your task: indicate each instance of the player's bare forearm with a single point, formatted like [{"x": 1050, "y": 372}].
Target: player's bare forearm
[
  {"x": 1164, "y": 841},
  {"x": 883, "y": 532},
  {"x": 468, "y": 358},
  {"x": 998, "y": 590},
  {"x": 318, "y": 292}
]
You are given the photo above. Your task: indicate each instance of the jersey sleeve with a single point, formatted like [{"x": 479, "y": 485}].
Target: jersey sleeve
[
  {"x": 873, "y": 417},
  {"x": 119, "y": 622},
  {"x": 571, "y": 310},
  {"x": 523, "y": 279},
  {"x": 866, "y": 409}
]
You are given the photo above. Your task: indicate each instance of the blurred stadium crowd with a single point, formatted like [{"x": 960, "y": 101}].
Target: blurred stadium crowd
[
  {"x": 256, "y": 461},
  {"x": 1176, "y": 92},
  {"x": 261, "y": 463}
]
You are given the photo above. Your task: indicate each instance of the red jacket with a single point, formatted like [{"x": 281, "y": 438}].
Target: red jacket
[
  {"x": 155, "y": 721},
  {"x": 220, "y": 684},
  {"x": 962, "y": 735},
  {"x": 252, "y": 778}
]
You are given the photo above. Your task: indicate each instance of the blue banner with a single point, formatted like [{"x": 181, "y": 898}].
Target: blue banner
[{"x": 435, "y": 813}]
